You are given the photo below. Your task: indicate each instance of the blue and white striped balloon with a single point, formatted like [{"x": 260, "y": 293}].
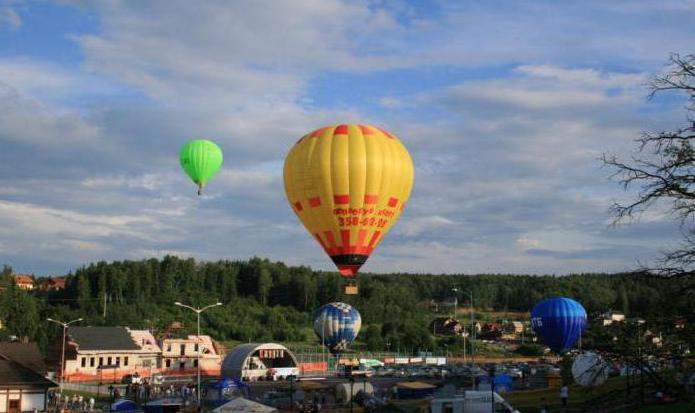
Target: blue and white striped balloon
[{"x": 337, "y": 325}]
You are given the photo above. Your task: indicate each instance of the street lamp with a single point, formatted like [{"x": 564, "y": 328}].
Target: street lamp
[
  {"x": 198, "y": 311},
  {"x": 62, "y": 357},
  {"x": 456, "y": 300},
  {"x": 473, "y": 329}
]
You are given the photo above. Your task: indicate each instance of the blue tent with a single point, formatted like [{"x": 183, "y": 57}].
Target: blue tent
[
  {"x": 124, "y": 405},
  {"x": 503, "y": 382},
  {"x": 219, "y": 392}
]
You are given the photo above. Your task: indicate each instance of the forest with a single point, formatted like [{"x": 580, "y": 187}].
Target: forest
[{"x": 266, "y": 300}]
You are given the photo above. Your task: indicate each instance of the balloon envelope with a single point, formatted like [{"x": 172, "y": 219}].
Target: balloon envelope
[
  {"x": 348, "y": 184},
  {"x": 337, "y": 325},
  {"x": 201, "y": 159},
  {"x": 558, "y": 322}
]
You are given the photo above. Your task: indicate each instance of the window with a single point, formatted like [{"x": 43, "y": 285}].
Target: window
[
  {"x": 183, "y": 349},
  {"x": 195, "y": 363},
  {"x": 125, "y": 361},
  {"x": 118, "y": 361},
  {"x": 101, "y": 361},
  {"x": 91, "y": 362},
  {"x": 169, "y": 347},
  {"x": 182, "y": 365},
  {"x": 168, "y": 363},
  {"x": 196, "y": 347},
  {"x": 84, "y": 362},
  {"x": 110, "y": 359}
]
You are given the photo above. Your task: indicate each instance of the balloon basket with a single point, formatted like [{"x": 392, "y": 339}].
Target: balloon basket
[{"x": 351, "y": 288}]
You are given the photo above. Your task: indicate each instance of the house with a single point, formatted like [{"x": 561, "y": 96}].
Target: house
[
  {"x": 514, "y": 327},
  {"x": 636, "y": 320},
  {"x": 679, "y": 323},
  {"x": 52, "y": 284},
  {"x": 107, "y": 353},
  {"x": 613, "y": 317},
  {"x": 23, "y": 281},
  {"x": 26, "y": 354},
  {"x": 491, "y": 331},
  {"x": 446, "y": 326},
  {"x": 22, "y": 388},
  {"x": 181, "y": 355}
]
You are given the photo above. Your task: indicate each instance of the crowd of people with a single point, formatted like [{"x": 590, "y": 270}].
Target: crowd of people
[
  {"x": 143, "y": 391},
  {"x": 74, "y": 403}
]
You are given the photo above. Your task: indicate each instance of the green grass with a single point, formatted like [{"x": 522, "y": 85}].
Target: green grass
[
  {"x": 668, "y": 408},
  {"x": 530, "y": 401}
]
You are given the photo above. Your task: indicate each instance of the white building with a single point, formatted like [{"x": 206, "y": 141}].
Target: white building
[
  {"x": 95, "y": 353},
  {"x": 613, "y": 317},
  {"x": 182, "y": 354}
]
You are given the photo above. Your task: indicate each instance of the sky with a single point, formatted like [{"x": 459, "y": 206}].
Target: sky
[{"x": 505, "y": 106}]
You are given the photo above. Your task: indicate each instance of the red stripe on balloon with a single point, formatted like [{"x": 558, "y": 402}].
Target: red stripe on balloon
[
  {"x": 345, "y": 238},
  {"x": 361, "y": 235},
  {"x": 375, "y": 237},
  {"x": 341, "y": 130},
  {"x": 366, "y": 130},
  {"x": 315, "y": 202},
  {"x": 371, "y": 199},
  {"x": 318, "y": 132},
  {"x": 341, "y": 199},
  {"x": 330, "y": 238},
  {"x": 318, "y": 238},
  {"x": 388, "y": 135}
]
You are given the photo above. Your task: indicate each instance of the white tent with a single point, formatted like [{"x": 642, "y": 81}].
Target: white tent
[{"x": 242, "y": 405}]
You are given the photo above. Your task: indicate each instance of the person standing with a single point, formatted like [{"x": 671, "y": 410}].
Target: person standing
[{"x": 564, "y": 394}]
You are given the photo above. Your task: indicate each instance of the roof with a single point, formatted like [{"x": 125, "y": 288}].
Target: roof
[
  {"x": 24, "y": 279},
  {"x": 145, "y": 340},
  {"x": 15, "y": 375},
  {"x": 58, "y": 282},
  {"x": 242, "y": 405},
  {"x": 102, "y": 338},
  {"x": 26, "y": 354},
  {"x": 232, "y": 364}
]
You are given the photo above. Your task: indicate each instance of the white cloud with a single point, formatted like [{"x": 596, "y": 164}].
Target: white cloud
[
  {"x": 151, "y": 182},
  {"x": 229, "y": 53},
  {"x": 29, "y": 121},
  {"x": 38, "y": 220}
]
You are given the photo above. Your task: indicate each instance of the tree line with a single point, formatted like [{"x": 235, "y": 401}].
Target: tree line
[{"x": 266, "y": 300}]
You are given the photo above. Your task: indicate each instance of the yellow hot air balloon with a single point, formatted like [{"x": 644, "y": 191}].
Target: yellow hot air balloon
[{"x": 348, "y": 184}]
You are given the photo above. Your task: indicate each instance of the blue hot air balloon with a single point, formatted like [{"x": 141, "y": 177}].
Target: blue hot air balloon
[
  {"x": 337, "y": 325},
  {"x": 558, "y": 322}
]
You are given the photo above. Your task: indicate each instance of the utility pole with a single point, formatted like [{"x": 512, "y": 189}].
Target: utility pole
[
  {"x": 473, "y": 329},
  {"x": 198, "y": 311},
  {"x": 104, "y": 304},
  {"x": 62, "y": 357}
]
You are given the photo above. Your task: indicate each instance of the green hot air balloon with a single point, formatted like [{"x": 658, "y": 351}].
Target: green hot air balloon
[{"x": 201, "y": 159}]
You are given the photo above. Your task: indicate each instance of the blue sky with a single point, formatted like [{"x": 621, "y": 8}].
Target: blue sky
[{"x": 506, "y": 107}]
